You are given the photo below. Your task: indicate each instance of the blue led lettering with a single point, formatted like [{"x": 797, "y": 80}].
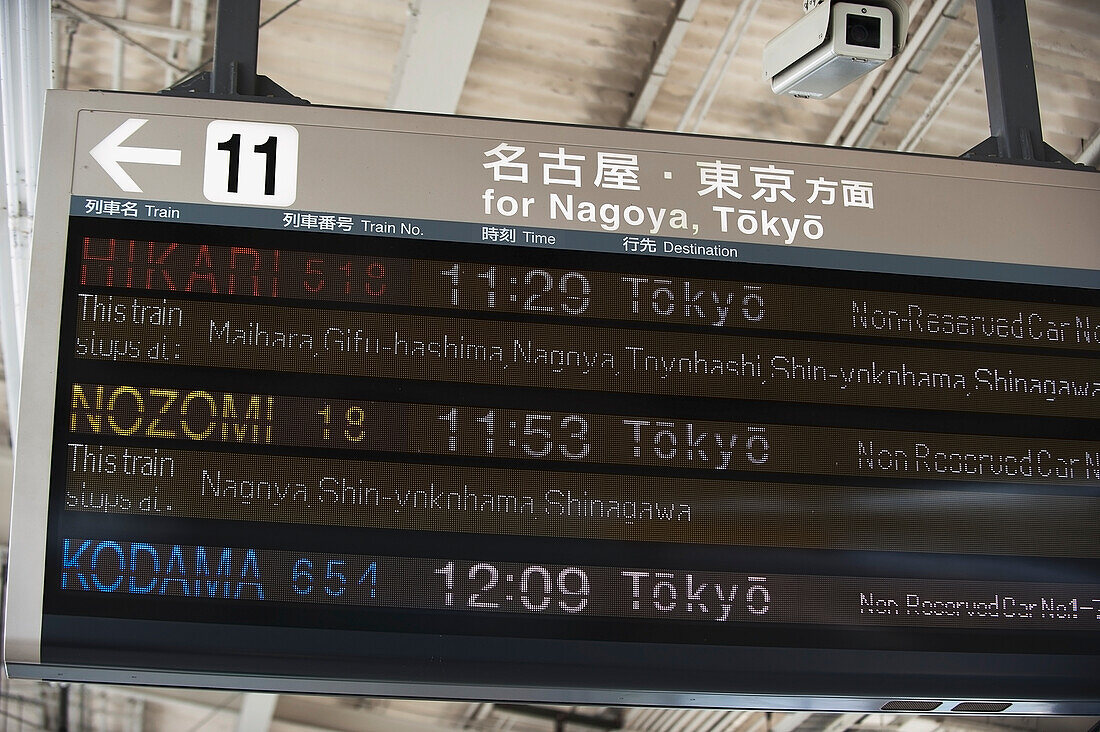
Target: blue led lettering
[
  {"x": 250, "y": 568},
  {"x": 141, "y": 548},
  {"x": 224, "y": 573},
  {"x": 140, "y": 568},
  {"x": 119, "y": 556},
  {"x": 175, "y": 563},
  {"x": 204, "y": 585},
  {"x": 70, "y": 560}
]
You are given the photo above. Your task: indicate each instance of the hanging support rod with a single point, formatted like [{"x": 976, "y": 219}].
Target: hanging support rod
[
  {"x": 233, "y": 75},
  {"x": 1014, "y": 124}
]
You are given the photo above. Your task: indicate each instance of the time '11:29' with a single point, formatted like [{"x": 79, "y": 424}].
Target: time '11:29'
[{"x": 531, "y": 290}]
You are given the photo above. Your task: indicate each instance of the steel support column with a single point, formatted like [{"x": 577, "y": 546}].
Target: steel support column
[
  {"x": 236, "y": 39},
  {"x": 233, "y": 75},
  {"x": 1014, "y": 124}
]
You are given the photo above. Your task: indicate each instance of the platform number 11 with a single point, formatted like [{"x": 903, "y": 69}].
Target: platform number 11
[{"x": 251, "y": 163}]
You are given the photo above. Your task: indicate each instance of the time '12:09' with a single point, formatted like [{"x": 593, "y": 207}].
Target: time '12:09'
[{"x": 535, "y": 588}]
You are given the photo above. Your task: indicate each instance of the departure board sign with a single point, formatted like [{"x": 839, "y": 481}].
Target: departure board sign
[{"x": 349, "y": 401}]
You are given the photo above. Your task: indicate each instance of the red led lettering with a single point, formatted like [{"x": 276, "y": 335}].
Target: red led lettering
[
  {"x": 102, "y": 274},
  {"x": 376, "y": 271},
  {"x": 247, "y": 254},
  {"x": 203, "y": 260},
  {"x": 154, "y": 260}
]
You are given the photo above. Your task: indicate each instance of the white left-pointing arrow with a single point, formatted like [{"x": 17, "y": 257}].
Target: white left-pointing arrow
[{"x": 109, "y": 153}]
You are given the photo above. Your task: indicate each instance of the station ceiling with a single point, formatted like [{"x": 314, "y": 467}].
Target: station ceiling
[{"x": 686, "y": 65}]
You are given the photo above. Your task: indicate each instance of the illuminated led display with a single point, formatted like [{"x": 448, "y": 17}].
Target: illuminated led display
[
  {"x": 431, "y": 396},
  {"x": 537, "y": 438}
]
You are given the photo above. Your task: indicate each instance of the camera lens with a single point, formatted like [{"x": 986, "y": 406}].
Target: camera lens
[{"x": 863, "y": 30}]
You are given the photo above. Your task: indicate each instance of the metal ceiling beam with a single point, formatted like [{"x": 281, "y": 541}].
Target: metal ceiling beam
[
  {"x": 701, "y": 721},
  {"x": 640, "y": 717},
  {"x": 790, "y": 722},
  {"x": 198, "y": 25},
  {"x": 730, "y": 719},
  {"x": 674, "y": 720},
  {"x": 664, "y": 52},
  {"x": 854, "y": 104},
  {"x": 175, "y": 20},
  {"x": 478, "y": 712},
  {"x": 943, "y": 96},
  {"x": 843, "y": 722},
  {"x": 865, "y": 88},
  {"x": 121, "y": 7},
  {"x": 920, "y": 724},
  {"x": 436, "y": 51},
  {"x": 761, "y": 722},
  {"x": 903, "y": 72},
  {"x": 712, "y": 77},
  {"x": 125, "y": 25},
  {"x": 108, "y": 25},
  {"x": 730, "y": 55}
]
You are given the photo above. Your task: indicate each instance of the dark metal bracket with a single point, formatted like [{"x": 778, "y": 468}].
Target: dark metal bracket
[
  {"x": 233, "y": 75},
  {"x": 1014, "y": 123}
]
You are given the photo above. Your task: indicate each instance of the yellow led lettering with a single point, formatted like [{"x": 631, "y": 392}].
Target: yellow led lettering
[
  {"x": 213, "y": 406},
  {"x": 169, "y": 396},
  {"x": 80, "y": 401},
  {"x": 139, "y": 409}
]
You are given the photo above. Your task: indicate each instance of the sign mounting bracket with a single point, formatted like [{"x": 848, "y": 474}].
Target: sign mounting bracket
[
  {"x": 1013, "y": 102},
  {"x": 233, "y": 75}
]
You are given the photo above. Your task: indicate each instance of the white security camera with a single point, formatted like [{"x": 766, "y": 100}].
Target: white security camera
[{"x": 834, "y": 44}]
